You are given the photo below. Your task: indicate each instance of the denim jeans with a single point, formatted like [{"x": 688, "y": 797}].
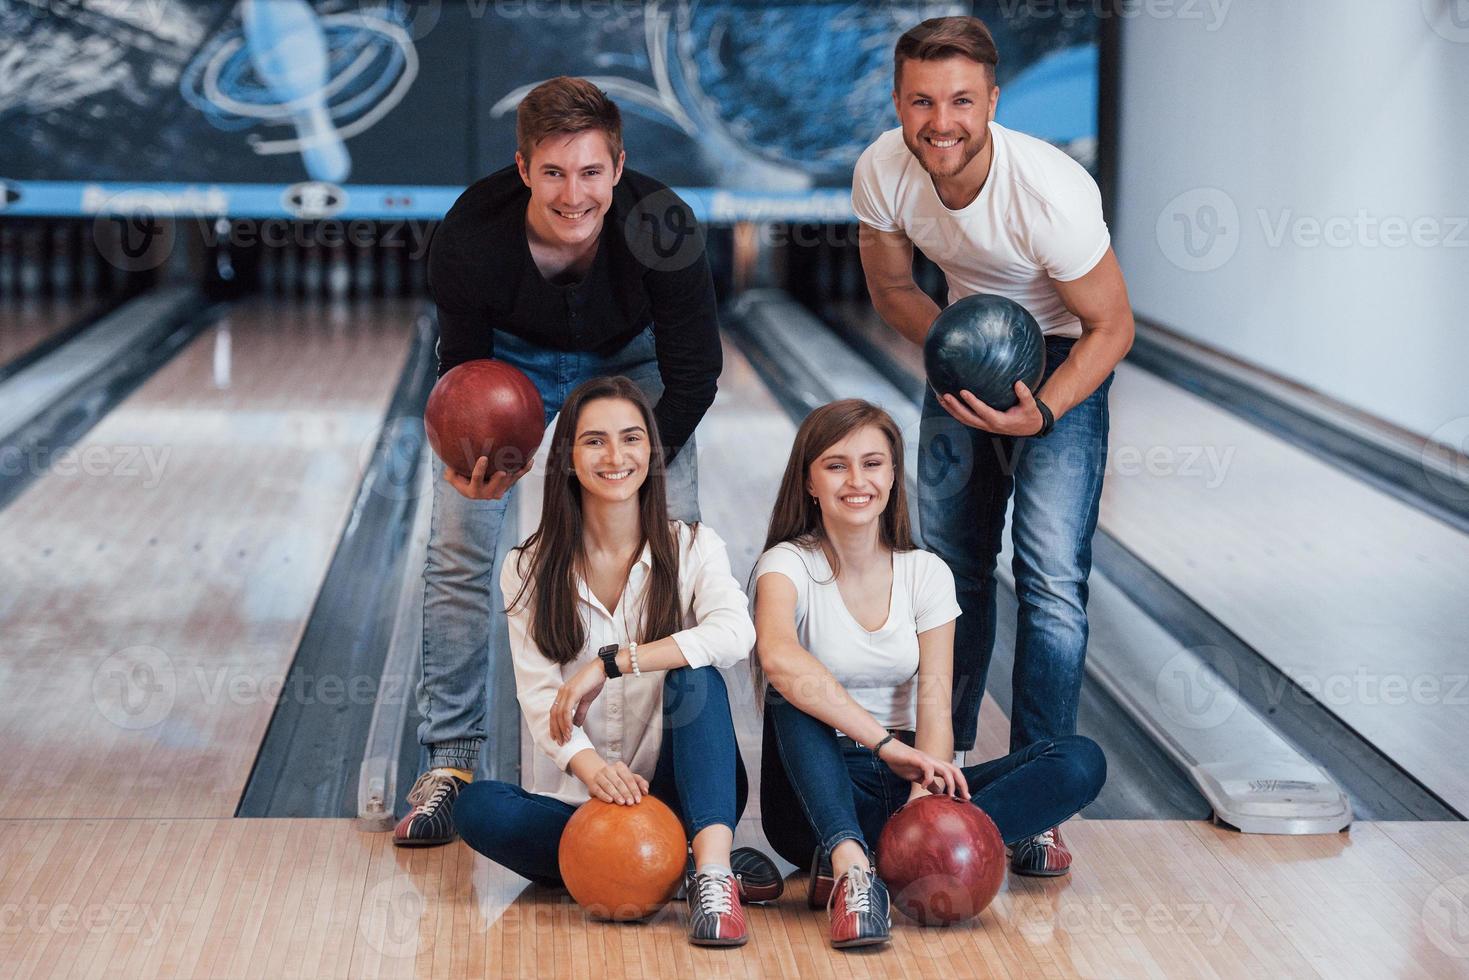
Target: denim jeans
[
  {"x": 461, "y": 610},
  {"x": 965, "y": 479},
  {"x": 699, "y": 775},
  {"x": 1024, "y": 793}
]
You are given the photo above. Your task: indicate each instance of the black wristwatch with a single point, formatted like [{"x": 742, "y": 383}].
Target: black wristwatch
[
  {"x": 609, "y": 660},
  {"x": 1048, "y": 420}
]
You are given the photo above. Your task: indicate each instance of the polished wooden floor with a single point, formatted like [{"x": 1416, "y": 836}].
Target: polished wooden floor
[
  {"x": 317, "y": 898},
  {"x": 156, "y": 579}
]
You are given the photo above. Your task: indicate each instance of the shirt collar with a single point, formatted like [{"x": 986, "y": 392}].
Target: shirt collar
[{"x": 636, "y": 577}]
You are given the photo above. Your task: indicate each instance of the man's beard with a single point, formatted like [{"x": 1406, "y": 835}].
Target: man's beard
[{"x": 972, "y": 149}]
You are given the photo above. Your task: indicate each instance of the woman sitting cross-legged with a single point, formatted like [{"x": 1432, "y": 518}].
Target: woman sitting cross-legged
[
  {"x": 855, "y": 636},
  {"x": 619, "y": 619}
]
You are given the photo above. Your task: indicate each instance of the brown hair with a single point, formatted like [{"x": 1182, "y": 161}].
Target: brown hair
[
  {"x": 556, "y": 554},
  {"x": 947, "y": 37},
  {"x": 566, "y": 105},
  {"x": 797, "y": 518}
]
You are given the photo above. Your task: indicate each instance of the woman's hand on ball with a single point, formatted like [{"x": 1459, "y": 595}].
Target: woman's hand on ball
[
  {"x": 616, "y": 783},
  {"x": 934, "y": 775}
]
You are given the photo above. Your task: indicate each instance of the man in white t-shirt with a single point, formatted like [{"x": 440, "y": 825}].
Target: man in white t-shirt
[{"x": 1005, "y": 213}]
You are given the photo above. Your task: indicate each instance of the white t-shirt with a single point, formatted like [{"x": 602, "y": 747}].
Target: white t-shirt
[
  {"x": 878, "y": 669},
  {"x": 1038, "y": 217}
]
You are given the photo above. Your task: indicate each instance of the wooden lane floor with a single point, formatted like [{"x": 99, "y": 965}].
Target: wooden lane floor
[
  {"x": 318, "y": 898},
  {"x": 158, "y": 577},
  {"x": 25, "y": 324}
]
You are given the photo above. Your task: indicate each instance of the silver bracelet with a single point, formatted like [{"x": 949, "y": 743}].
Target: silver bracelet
[{"x": 632, "y": 652}]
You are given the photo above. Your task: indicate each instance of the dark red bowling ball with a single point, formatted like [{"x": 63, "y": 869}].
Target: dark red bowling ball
[
  {"x": 984, "y": 344},
  {"x": 485, "y": 408},
  {"x": 942, "y": 859}
]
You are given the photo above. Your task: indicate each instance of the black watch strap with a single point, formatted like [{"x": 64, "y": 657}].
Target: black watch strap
[
  {"x": 1048, "y": 420},
  {"x": 609, "y": 660}
]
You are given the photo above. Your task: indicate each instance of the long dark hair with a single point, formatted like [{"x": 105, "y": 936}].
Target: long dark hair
[
  {"x": 796, "y": 517},
  {"x": 551, "y": 560}
]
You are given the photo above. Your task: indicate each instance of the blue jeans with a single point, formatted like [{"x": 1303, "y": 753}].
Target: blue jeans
[
  {"x": 462, "y": 610},
  {"x": 965, "y": 479},
  {"x": 1024, "y": 793},
  {"x": 699, "y": 775}
]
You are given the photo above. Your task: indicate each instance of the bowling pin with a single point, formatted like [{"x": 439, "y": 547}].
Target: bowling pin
[
  {"x": 291, "y": 265},
  {"x": 362, "y": 277},
  {"x": 59, "y": 265},
  {"x": 417, "y": 285},
  {"x": 311, "y": 271},
  {"x": 32, "y": 275},
  {"x": 9, "y": 247},
  {"x": 287, "y": 46},
  {"x": 390, "y": 254},
  {"x": 339, "y": 273},
  {"x": 268, "y": 269},
  {"x": 224, "y": 264},
  {"x": 88, "y": 273}
]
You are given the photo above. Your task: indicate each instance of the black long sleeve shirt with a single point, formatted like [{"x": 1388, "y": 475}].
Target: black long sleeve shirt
[{"x": 650, "y": 267}]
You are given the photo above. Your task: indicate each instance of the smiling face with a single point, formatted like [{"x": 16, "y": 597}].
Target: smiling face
[
  {"x": 945, "y": 106},
  {"x": 570, "y": 177},
  {"x": 611, "y": 452},
  {"x": 852, "y": 479}
]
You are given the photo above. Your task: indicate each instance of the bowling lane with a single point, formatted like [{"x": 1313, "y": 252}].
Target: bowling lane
[
  {"x": 26, "y": 324},
  {"x": 1355, "y": 595},
  {"x": 157, "y": 577}
]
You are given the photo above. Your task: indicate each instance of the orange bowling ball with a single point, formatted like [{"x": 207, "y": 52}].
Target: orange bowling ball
[
  {"x": 622, "y": 862},
  {"x": 485, "y": 408}
]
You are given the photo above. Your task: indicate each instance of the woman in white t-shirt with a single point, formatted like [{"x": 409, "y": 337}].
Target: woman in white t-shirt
[
  {"x": 619, "y": 620},
  {"x": 855, "y": 636}
]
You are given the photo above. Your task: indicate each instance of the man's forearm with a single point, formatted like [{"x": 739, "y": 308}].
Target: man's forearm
[
  {"x": 1092, "y": 358},
  {"x": 907, "y": 309}
]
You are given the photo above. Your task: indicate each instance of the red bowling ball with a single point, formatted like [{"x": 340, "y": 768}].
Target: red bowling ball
[
  {"x": 485, "y": 408},
  {"x": 942, "y": 859}
]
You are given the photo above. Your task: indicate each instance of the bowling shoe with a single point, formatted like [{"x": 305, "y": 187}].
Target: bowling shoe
[
  {"x": 819, "y": 884},
  {"x": 1042, "y": 856},
  {"x": 431, "y": 821},
  {"x": 757, "y": 874},
  {"x": 859, "y": 910},
  {"x": 716, "y": 917}
]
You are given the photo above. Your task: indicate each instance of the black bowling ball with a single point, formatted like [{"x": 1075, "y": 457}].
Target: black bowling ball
[{"x": 984, "y": 344}]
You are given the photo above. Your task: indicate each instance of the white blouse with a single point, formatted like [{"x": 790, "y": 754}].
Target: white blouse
[{"x": 625, "y": 722}]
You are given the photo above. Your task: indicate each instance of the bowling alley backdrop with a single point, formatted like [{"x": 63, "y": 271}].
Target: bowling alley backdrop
[{"x": 388, "y": 108}]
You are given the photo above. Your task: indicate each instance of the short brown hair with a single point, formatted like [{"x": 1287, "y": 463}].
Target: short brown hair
[
  {"x": 566, "y": 105},
  {"x": 947, "y": 37}
]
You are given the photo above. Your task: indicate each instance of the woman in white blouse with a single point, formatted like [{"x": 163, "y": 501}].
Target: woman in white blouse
[
  {"x": 619, "y": 619},
  {"x": 855, "y": 632}
]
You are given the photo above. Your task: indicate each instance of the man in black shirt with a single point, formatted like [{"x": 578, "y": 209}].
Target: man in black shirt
[{"x": 569, "y": 267}]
